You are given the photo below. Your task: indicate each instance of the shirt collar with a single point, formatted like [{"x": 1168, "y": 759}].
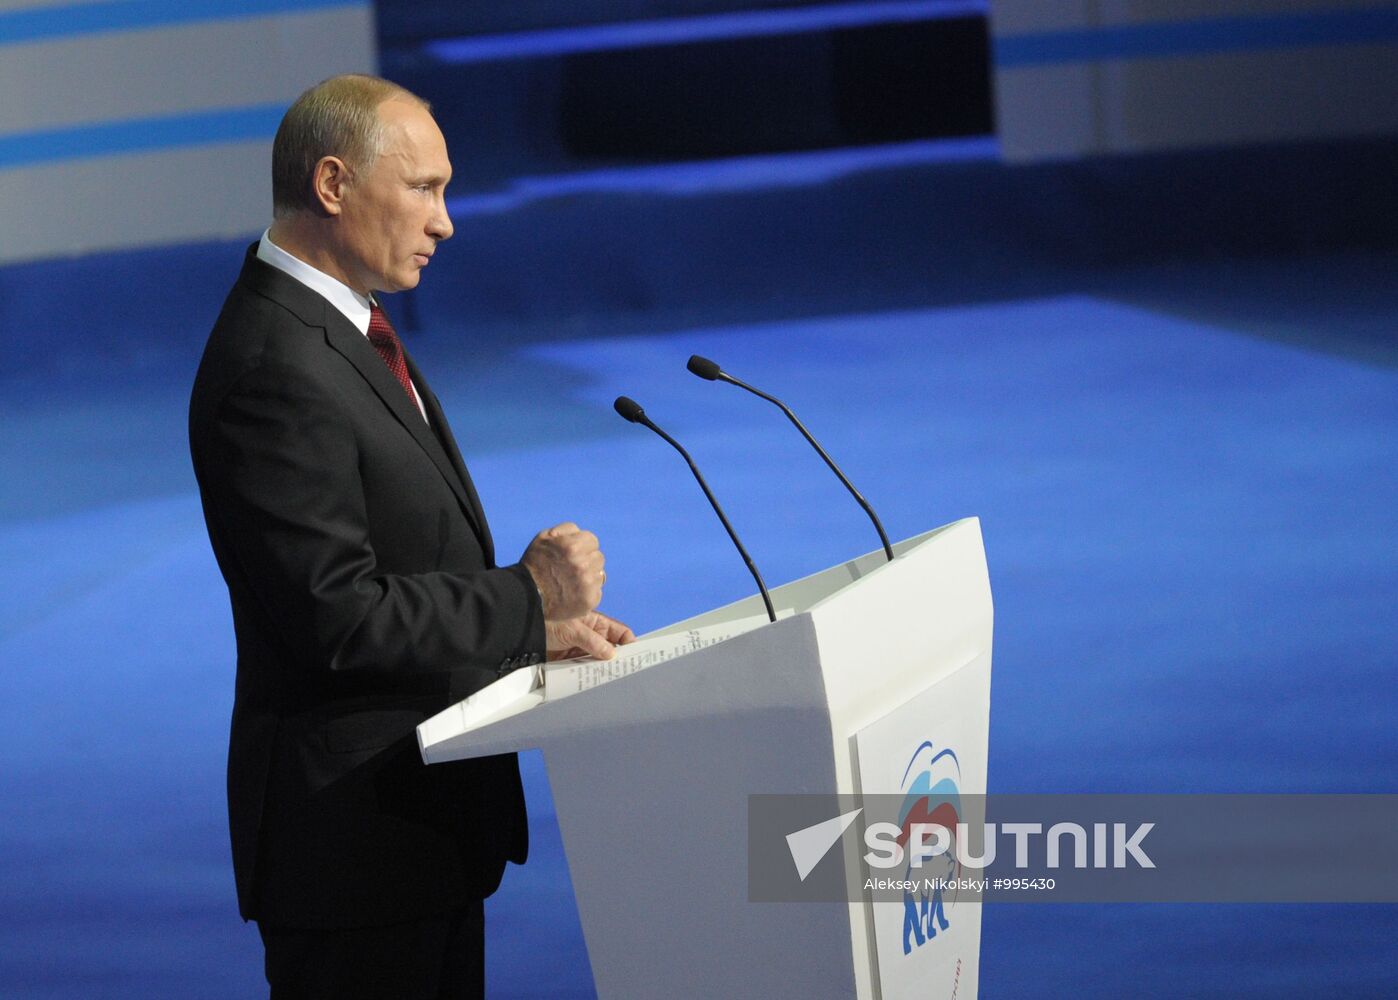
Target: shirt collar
[{"x": 354, "y": 306}]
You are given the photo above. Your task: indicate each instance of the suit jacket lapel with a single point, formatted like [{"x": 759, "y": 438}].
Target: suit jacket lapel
[
  {"x": 357, "y": 350},
  {"x": 453, "y": 453}
]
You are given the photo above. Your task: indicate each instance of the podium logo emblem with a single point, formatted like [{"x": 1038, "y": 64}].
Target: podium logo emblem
[{"x": 931, "y": 788}]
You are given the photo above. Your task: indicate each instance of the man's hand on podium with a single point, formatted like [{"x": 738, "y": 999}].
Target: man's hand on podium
[{"x": 594, "y": 634}]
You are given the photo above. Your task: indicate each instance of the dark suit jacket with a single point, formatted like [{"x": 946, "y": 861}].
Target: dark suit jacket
[{"x": 365, "y": 598}]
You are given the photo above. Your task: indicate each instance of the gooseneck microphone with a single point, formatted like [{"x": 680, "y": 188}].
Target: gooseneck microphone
[
  {"x": 710, "y": 371},
  {"x": 632, "y": 411}
]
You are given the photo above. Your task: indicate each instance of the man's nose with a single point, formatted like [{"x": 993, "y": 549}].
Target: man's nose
[{"x": 439, "y": 226}]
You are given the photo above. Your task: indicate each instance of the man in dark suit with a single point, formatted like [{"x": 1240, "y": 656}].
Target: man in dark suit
[{"x": 362, "y": 575}]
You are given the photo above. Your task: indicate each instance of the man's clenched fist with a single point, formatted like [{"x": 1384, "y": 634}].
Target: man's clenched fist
[{"x": 566, "y": 564}]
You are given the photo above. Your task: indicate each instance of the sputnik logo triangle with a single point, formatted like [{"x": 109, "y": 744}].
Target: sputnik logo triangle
[{"x": 808, "y": 846}]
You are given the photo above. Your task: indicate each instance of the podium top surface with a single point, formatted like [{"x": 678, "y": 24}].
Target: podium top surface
[{"x": 849, "y": 638}]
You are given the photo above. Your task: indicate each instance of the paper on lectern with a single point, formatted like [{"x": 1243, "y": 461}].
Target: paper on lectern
[
  {"x": 567, "y": 677},
  {"x": 527, "y": 687}
]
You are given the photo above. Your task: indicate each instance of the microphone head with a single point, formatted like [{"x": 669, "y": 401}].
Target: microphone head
[
  {"x": 629, "y": 408},
  {"x": 704, "y": 368}
]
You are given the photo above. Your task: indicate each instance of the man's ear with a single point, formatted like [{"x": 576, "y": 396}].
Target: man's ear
[{"x": 329, "y": 183}]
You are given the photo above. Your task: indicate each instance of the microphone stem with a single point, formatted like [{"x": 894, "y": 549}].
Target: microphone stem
[
  {"x": 761, "y": 587},
  {"x": 887, "y": 548}
]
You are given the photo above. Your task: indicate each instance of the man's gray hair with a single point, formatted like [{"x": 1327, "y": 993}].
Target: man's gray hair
[{"x": 337, "y": 117}]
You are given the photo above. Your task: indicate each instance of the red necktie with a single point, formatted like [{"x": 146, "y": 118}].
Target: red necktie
[{"x": 390, "y": 348}]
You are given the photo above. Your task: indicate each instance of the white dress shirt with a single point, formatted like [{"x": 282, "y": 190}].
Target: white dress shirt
[{"x": 351, "y": 304}]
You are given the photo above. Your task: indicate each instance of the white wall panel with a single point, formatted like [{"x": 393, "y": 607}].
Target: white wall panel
[
  {"x": 219, "y": 64},
  {"x": 170, "y": 196},
  {"x": 1091, "y": 77},
  {"x": 159, "y": 130}
]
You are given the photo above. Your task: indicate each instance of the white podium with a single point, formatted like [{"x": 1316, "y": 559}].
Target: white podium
[{"x": 873, "y": 672}]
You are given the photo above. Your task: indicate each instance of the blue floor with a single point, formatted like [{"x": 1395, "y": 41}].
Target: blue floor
[{"x": 1190, "y": 506}]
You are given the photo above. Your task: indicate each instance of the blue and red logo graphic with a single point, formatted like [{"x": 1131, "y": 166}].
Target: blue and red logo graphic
[{"x": 931, "y": 789}]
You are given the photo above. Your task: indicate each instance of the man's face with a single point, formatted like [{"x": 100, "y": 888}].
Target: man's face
[{"x": 394, "y": 214}]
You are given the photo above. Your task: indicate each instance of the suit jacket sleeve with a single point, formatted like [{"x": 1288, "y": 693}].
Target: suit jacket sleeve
[{"x": 285, "y": 464}]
